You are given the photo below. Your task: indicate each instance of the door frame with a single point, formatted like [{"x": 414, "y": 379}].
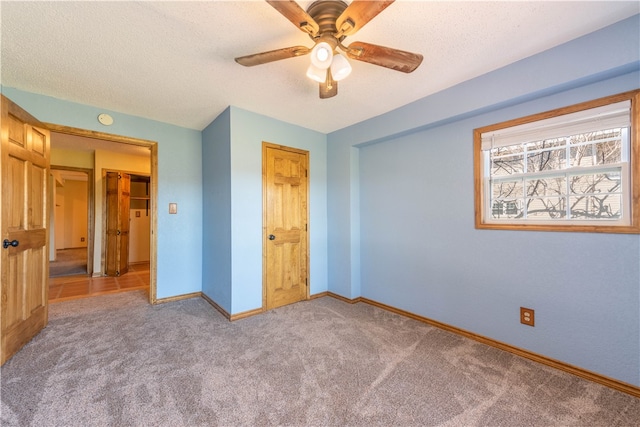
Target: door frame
[
  {"x": 306, "y": 153},
  {"x": 90, "y": 210},
  {"x": 153, "y": 190}
]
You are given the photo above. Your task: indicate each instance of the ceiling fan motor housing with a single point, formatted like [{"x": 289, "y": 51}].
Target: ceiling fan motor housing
[{"x": 325, "y": 13}]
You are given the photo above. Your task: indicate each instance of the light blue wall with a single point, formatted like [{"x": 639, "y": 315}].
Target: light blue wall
[
  {"x": 179, "y": 256},
  {"x": 418, "y": 249},
  {"x": 216, "y": 200},
  {"x": 342, "y": 188},
  {"x": 248, "y": 131}
]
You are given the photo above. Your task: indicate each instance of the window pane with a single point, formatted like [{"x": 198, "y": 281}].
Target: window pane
[
  {"x": 596, "y": 207},
  {"x": 552, "y": 186},
  {"x": 508, "y": 165},
  {"x": 506, "y": 209},
  {"x": 547, "y": 143},
  {"x": 546, "y": 160},
  {"x": 609, "y": 152},
  {"x": 508, "y": 150},
  {"x": 596, "y": 154},
  {"x": 546, "y": 208},
  {"x": 599, "y": 136},
  {"x": 596, "y": 183},
  {"x": 507, "y": 189}
]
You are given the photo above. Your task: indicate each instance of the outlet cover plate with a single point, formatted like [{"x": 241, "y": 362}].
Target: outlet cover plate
[{"x": 527, "y": 316}]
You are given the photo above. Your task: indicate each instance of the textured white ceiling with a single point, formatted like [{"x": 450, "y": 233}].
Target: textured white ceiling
[{"x": 173, "y": 61}]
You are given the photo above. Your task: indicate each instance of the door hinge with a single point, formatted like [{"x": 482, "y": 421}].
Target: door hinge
[
  {"x": 306, "y": 281},
  {"x": 305, "y": 228},
  {"x": 306, "y": 173}
]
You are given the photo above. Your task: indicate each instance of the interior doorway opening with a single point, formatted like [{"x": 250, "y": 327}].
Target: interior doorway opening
[
  {"x": 71, "y": 221},
  {"x": 78, "y": 149}
]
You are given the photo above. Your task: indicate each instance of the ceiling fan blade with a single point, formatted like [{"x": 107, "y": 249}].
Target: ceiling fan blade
[
  {"x": 357, "y": 14},
  {"x": 272, "y": 55},
  {"x": 294, "y": 13},
  {"x": 395, "y": 59},
  {"x": 329, "y": 88}
]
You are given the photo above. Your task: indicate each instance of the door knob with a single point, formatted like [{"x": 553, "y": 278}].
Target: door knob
[
  {"x": 272, "y": 237},
  {"x": 6, "y": 243}
]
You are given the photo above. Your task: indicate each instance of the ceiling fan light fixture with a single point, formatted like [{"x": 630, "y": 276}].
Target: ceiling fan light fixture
[
  {"x": 322, "y": 55},
  {"x": 317, "y": 74},
  {"x": 328, "y": 22},
  {"x": 340, "y": 67}
]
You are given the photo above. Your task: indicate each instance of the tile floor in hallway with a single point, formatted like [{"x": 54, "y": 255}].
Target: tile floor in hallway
[{"x": 65, "y": 288}]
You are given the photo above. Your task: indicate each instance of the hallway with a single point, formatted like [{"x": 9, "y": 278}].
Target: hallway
[{"x": 69, "y": 262}]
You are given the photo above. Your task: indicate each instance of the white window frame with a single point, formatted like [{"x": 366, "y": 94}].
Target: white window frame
[{"x": 617, "y": 111}]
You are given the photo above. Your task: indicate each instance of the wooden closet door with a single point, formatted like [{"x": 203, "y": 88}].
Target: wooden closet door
[
  {"x": 285, "y": 218},
  {"x": 117, "y": 237}
]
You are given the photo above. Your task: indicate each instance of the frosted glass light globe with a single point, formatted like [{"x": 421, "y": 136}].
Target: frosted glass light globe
[
  {"x": 340, "y": 67},
  {"x": 321, "y": 55}
]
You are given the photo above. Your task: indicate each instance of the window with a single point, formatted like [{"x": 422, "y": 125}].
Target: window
[{"x": 571, "y": 169}]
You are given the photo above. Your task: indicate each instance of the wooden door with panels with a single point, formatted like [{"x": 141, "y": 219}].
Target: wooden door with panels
[
  {"x": 24, "y": 266},
  {"x": 118, "y": 199},
  {"x": 285, "y": 225}
]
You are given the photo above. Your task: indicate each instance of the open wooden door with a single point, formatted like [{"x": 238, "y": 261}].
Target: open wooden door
[
  {"x": 117, "y": 241},
  {"x": 285, "y": 219},
  {"x": 24, "y": 265}
]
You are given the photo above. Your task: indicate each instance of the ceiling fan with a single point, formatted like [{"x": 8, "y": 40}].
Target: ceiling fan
[{"x": 328, "y": 22}]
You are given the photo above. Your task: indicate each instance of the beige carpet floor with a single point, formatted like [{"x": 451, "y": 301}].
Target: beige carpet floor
[{"x": 114, "y": 360}]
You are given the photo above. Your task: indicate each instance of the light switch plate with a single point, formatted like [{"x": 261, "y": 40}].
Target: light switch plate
[{"x": 173, "y": 208}]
